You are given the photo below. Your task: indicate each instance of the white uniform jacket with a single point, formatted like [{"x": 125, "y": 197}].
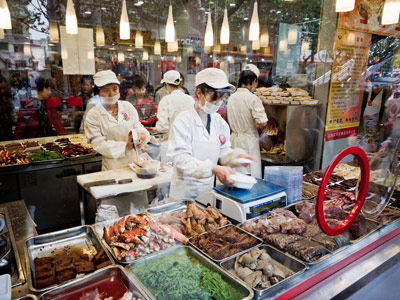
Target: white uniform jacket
[
  {"x": 194, "y": 152},
  {"x": 245, "y": 110},
  {"x": 169, "y": 108},
  {"x": 108, "y": 136}
]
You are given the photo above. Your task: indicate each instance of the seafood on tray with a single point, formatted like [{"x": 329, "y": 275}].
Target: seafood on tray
[
  {"x": 195, "y": 220},
  {"x": 259, "y": 270},
  {"x": 13, "y": 158},
  {"x": 137, "y": 236}
]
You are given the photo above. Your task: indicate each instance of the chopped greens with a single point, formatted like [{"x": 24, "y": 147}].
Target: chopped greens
[
  {"x": 44, "y": 155},
  {"x": 179, "y": 275}
]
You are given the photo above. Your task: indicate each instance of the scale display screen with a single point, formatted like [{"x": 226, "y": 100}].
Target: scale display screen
[{"x": 263, "y": 208}]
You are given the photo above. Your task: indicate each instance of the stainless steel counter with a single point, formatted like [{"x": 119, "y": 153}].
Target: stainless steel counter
[{"x": 23, "y": 228}]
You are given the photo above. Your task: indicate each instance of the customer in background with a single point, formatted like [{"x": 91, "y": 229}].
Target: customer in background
[
  {"x": 246, "y": 115},
  {"x": 171, "y": 106},
  {"x": 6, "y": 109},
  {"x": 161, "y": 91},
  {"x": 182, "y": 85},
  {"x": 139, "y": 92},
  {"x": 36, "y": 119},
  {"x": 200, "y": 138}
]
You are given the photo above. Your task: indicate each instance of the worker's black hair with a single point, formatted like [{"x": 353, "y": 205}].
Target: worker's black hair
[
  {"x": 173, "y": 86},
  {"x": 42, "y": 84},
  {"x": 247, "y": 77}
]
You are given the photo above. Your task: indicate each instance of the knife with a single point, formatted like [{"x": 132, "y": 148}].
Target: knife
[{"x": 107, "y": 182}]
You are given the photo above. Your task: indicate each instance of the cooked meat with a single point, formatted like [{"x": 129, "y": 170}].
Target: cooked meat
[
  {"x": 76, "y": 257},
  {"x": 295, "y": 226},
  {"x": 45, "y": 274},
  {"x": 45, "y": 282},
  {"x": 333, "y": 212},
  {"x": 43, "y": 268},
  {"x": 62, "y": 257},
  {"x": 64, "y": 267},
  {"x": 100, "y": 256},
  {"x": 42, "y": 261},
  {"x": 311, "y": 230},
  {"x": 307, "y": 250},
  {"x": 281, "y": 240},
  {"x": 327, "y": 241},
  {"x": 65, "y": 275},
  {"x": 103, "y": 264},
  {"x": 361, "y": 226},
  {"x": 84, "y": 267}
]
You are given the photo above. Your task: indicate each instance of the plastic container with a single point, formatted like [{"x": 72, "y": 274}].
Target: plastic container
[
  {"x": 5, "y": 287},
  {"x": 242, "y": 181}
]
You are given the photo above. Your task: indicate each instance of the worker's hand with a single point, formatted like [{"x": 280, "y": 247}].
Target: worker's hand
[
  {"x": 223, "y": 173},
  {"x": 142, "y": 138},
  {"x": 246, "y": 156},
  {"x": 129, "y": 143}
]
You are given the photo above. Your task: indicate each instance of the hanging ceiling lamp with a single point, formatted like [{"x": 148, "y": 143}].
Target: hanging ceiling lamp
[
  {"x": 1, "y": 33},
  {"x": 189, "y": 51},
  {"x": 121, "y": 55},
  {"x": 145, "y": 55},
  {"x": 225, "y": 29},
  {"x": 283, "y": 45},
  {"x": 138, "y": 39},
  {"x": 5, "y": 17},
  {"x": 305, "y": 46},
  {"x": 254, "y": 32},
  {"x": 53, "y": 32},
  {"x": 255, "y": 45},
  {"x": 391, "y": 10},
  {"x": 70, "y": 19},
  {"x": 27, "y": 50},
  {"x": 344, "y": 5},
  {"x": 243, "y": 49},
  {"x": 209, "y": 35},
  {"x": 179, "y": 59},
  {"x": 292, "y": 34},
  {"x": 264, "y": 39},
  {"x": 124, "y": 27},
  {"x": 100, "y": 40},
  {"x": 170, "y": 27},
  {"x": 157, "y": 47}
]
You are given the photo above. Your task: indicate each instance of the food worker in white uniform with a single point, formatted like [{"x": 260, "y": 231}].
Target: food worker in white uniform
[
  {"x": 170, "y": 106},
  {"x": 246, "y": 114},
  {"x": 109, "y": 124},
  {"x": 199, "y": 138}
]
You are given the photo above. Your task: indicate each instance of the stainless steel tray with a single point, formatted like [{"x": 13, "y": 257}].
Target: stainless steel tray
[
  {"x": 260, "y": 241},
  {"x": 173, "y": 207},
  {"x": 28, "y": 297},
  {"x": 378, "y": 225},
  {"x": 226, "y": 276},
  {"x": 286, "y": 260},
  {"x": 44, "y": 245},
  {"x": 17, "y": 276},
  {"x": 133, "y": 285}
]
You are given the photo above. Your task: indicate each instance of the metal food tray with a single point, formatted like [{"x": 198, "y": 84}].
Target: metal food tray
[
  {"x": 284, "y": 259},
  {"x": 80, "y": 156},
  {"x": 49, "y": 161},
  {"x": 229, "y": 257},
  {"x": 98, "y": 230},
  {"x": 44, "y": 245},
  {"x": 28, "y": 297},
  {"x": 17, "y": 277},
  {"x": 174, "y": 207},
  {"x": 226, "y": 276},
  {"x": 378, "y": 225},
  {"x": 14, "y": 166},
  {"x": 133, "y": 285}
]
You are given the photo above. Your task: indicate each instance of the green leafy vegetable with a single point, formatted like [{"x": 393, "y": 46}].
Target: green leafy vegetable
[
  {"x": 44, "y": 155},
  {"x": 179, "y": 275}
]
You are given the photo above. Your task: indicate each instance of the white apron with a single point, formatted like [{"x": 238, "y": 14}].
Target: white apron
[
  {"x": 188, "y": 188},
  {"x": 248, "y": 142}
]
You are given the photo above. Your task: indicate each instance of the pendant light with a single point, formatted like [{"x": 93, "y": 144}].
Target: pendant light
[
  {"x": 243, "y": 49},
  {"x": 305, "y": 46},
  {"x": 5, "y": 17},
  {"x": 225, "y": 29},
  {"x": 292, "y": 34},
  {"x": 121, "y": 56},
  {"x": 254, "y": 31},
  {"x": 283, "y": 45},
  {"x": 391, "y": 10},
  {"x": 138, "y": 40},
  {"x": 157, "y": 47},
  {"x": 264, "y": 39},
  {"x": 1, "y": 33},
  {"x": 145, "y": 55},
  {"x": 209, "y": 35},
  {"x": 70, "y": 19},
  {"x": 344, "y": 5},
  {"x": 179, "y": 59},
  {"x": 189, "y": 51},
  {"x": 100, "y": 40},
  {"x": 124, "y": 27},
  {"x": 170, "y": 27},
  {"x": 172, "y": 46},
  {"x": 255, "y": 45},
  {"x": 27, "y": 50},
  {"x": 53, "y": 32}
]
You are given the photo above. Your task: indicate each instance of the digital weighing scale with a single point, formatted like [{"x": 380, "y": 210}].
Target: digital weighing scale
[{"x": 242, "y": 205}]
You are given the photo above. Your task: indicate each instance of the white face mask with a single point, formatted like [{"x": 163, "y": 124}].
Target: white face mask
[
  {"x": 110, "y": 100},
  {"x": 209, "y": 108}
]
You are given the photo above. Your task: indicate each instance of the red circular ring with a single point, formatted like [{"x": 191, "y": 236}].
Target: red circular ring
[
  {"x": 155, "y": 111},
  {"x": 362, "y": 191}
]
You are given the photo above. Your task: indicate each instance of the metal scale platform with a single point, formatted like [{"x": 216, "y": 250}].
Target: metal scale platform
[{"x": 242, "y": 205}]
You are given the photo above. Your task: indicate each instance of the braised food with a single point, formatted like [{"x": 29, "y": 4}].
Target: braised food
[
  {"x": 8, "y": 158},
  {"x": 307, "y": 250}
]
